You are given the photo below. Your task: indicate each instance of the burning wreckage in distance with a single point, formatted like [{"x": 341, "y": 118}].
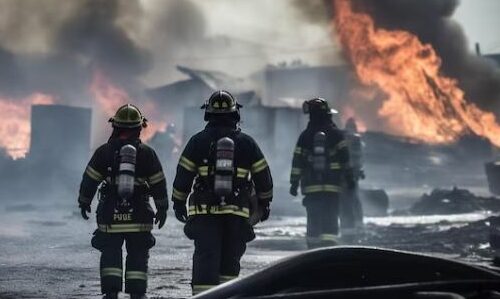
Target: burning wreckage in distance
[{"x": 425, "y": 104}]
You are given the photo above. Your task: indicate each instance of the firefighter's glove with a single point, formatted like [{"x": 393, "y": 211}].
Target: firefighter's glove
[
  {"x": 84, "y": 209},
  {"x": 161, "y": 217},
  {"x": 294, "y": 189},
  {"x": 362, "y": 175},
  {"x": 180, "y": 211},
  {"x": 266, "y": 210}
]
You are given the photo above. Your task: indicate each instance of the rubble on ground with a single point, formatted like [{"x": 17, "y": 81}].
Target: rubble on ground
[{"x": 454, "y": 201}]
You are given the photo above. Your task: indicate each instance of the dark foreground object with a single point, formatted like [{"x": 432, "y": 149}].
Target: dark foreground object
[{"x": 362, "y": 272}]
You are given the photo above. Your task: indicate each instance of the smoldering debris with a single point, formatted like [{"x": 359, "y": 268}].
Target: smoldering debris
[{"x": 454, "y": 201}]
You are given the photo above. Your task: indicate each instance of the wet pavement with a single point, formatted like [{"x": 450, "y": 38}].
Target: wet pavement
[{"x": 45, "y": 249}]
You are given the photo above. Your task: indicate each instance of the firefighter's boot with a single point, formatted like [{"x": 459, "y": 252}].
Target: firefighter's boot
[
  {"x": 110, "y": 296},
  {"x": 138, "y": 296}
]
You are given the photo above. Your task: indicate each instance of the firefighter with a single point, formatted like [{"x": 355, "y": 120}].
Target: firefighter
[
  {"x": 320, "y": 164},
  {"x": 227, "y": 166},
  {"x": 128, "y": 173},
  {"x": 351, "y": 209}
]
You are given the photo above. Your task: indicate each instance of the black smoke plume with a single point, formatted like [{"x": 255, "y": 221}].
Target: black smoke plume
[{"x": 431, "y": 21}]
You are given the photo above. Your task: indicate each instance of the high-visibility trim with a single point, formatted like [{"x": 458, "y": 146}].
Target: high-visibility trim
[
  {"x": 187, "y": 164},
  {"x": 140, "y": 275},
  {"x": 242, "y": 173},
  {"x": 176, "y": 194},
  {"x": 328, "y": 237},
  {"x": 84, "y": 200},
  {"x": 94, "y": 174},
  {"x": 219, "y": 210},
  {"x": 259, "y": 166},
  {"x": 156, "y": 178},
  {"x": 335, "y": 166},
  {"x": 125, "y": 228},
  {"x": 265, "y": 195},
  {"x": 137, "y": 182},
  {"x": 296, "y": 171},
  {"x": 298, "y": 150},
  {"x": 341, "y": 144},
  {"x": 226, "y": 278},
  {"x": 322, "y": 188},
  {"x": 110, "y": 271},
  {"x": 198, "y": 288},
  {"x": 203, "y": 170}
]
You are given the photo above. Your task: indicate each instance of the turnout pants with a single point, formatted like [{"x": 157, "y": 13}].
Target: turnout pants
[
  {"x": 351, "y": 211},
  {"x": 110, "y": 245},
  {"x": 322, "y": 219},
  {"x": 220, "y": 242}
]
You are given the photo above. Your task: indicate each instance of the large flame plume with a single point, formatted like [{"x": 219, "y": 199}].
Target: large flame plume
[
  {"x": 420, "y": 102},
  {"x": 15, "y": 127},
  {"x": 108, "y": 97}
]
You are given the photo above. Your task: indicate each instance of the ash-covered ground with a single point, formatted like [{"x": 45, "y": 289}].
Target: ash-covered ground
[{"x": 45, "y": 247}]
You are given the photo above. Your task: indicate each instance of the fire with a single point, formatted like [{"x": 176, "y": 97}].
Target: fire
[
  {"x": 15, "y": 128},
  {"x": 420, "y": 102},
  {"x": 108, "y": 97}
]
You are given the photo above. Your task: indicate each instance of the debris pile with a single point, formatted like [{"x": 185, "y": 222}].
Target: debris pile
[{"x": 454, "y": 201}]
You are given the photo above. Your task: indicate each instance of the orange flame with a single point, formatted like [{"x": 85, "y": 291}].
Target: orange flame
[
  {"x": 15, "y": 127},
  {"x": 421, "y": 103},
  {"x": 109, "y": 97}
]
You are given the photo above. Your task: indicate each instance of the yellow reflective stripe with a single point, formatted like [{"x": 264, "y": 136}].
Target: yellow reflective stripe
[
  {"x": 328, "y": 237},
  {"x": 310, "y": 189},
  {"x": 322, "y": 188},
  {"x": 187, "y": 164},
  {"x": 335, "y": 166},
  {"x": 242, "y": 172},
  {"x": 226, "y": 278},
  {"x": 203, "y": 170},
  {"x": 94, "y": 174},
  {"x": 296, "y": 171},
  {"x": 118, "y": 272},
  {"x": 331, "y": 188},
  {"x": 125, "y": 228},
  {"x": 341, "y": 144},
  {"x": 298, "y": 150},
  {"x": 136, "y": 275},
  {"x": 259, "y": 166},
  {"x": 265, "y": 195},
  {"x": 156, "y": 178},
  {"x": 198, "y": 288},
  {"x": 179, "y": 195},
  {"x": 219, "y": 210}
]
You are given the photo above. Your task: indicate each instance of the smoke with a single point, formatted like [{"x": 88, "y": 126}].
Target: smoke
[{"x": 431, "y": 21}]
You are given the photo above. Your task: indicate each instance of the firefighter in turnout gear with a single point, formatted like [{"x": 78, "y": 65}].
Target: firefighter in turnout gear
[
  {"x": 128, "y": 173},
  {"x": 227, "y": 167},
  {"x": 351, "y": 215},
  {"x": 320, "y": 164}
]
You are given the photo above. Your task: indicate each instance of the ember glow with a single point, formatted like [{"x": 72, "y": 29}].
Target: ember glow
[
  {"x": 15, "y": 127},
  {"x": 108, "y": 97},
  {"x": 420, "y": 102}
]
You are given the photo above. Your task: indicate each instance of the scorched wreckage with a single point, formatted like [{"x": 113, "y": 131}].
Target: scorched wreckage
[{"x": 375, "y": 112}]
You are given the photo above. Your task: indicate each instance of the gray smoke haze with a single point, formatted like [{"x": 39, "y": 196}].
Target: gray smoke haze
[
  {"x": 430, "y": 21},
  {"x": 53, "y": 46}
]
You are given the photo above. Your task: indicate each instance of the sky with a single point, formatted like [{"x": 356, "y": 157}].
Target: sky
[{"x": 481, "y": 22}]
